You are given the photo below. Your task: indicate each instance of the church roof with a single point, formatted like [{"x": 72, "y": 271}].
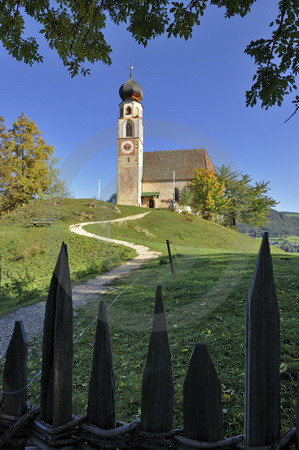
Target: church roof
[{"x": 159, "y": 166}]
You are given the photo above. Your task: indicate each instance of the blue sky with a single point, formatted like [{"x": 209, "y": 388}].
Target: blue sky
[{"x": 194, "y": 96}]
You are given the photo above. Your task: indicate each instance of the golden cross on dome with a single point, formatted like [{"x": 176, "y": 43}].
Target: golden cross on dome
[{"x": 131, "y": 70}]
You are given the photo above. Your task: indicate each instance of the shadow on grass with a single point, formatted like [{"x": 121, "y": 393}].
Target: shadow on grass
[
  {"x": 204, "y": 302},
  {"x": 200, "y": 286}
]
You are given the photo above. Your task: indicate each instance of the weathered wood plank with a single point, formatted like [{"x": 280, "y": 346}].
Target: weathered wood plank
[
  {"x": 15, "y": 373},
  {"x": 202, "y": 398},
  {"x": 101, "y": 397},
  {"x": 17, "y": 426},
  {"x": 297, "y": 414},
  {"x": 157, "y": 384},
  {"x": 56, "y": 381},
  {"x": 262, "y": 385}
]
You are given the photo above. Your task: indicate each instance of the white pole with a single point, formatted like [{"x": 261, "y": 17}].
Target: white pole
[
  {"x": 174, "y": 185},
  {"x": 99, "y": 191}
]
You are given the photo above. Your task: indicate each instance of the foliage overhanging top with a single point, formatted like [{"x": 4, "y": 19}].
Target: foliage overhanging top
[{"x": 75, "y": 30}]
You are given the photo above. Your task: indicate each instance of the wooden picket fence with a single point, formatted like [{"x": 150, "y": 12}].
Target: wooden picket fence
[{"x": 53, "y": 425}]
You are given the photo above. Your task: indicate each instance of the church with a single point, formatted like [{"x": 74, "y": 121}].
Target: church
[{"x": 149, "y": 179}]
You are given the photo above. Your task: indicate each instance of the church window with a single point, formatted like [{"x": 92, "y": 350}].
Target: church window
[
  {"x": 128, "y": 110},
  {"x": 120, "y": 112},
  {"x": 176, "y": 194},
  {"x": 137, "y": 112},
  {"x": 129, "y": 129}
]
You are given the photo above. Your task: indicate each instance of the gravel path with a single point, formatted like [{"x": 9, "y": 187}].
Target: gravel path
[{"x": 33, "y": 316}]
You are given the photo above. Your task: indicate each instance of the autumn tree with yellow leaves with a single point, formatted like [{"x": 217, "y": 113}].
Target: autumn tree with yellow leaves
[
  {"x": 27, "y": 167},
  {"x": 205, "y": 193}
]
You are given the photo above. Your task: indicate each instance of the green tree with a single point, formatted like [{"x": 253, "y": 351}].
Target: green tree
[
  {"x": 247, "y": 203},
  {"x": 75, "y": 30},
  {"x": 230, "y": 194},
  {"x": 5, "y": 158},
  {"x": 28, "y": 170},
  {"x": 205, "y": 193}
]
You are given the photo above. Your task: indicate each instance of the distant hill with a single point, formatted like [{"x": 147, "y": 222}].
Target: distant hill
[
  {"x": 283, "y": 229},
  {"x": 279, "y": 223}
]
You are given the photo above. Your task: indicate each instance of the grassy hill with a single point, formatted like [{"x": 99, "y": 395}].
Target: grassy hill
[
  {"x": 204, "y": 300},
  {"x": 186, "y": 230},
  {"x": 28, "y": 253}
]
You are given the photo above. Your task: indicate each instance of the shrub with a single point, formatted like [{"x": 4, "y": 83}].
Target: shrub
[{"x": 20, "y": 288}]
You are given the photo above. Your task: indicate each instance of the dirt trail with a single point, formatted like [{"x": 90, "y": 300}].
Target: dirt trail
[
  {"x": 143, "y": 252},
  {"x": 33, "y": 316}
]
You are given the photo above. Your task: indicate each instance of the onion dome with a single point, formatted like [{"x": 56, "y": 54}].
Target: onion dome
[{"x": 131, "y": 89}]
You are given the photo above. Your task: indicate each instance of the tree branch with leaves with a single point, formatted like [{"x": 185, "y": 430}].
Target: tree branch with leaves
[{"x": 74, "y": 29}]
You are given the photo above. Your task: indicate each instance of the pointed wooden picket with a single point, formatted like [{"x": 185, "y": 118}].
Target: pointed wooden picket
[
  {"x": 297, "y": 414},
  {"x": 15, "y": 373},
  {"x": 101, "y": 398},
  {"x": 202, "y": 398},
  {"x": 157, "y": 384},
  {"x": 56, "y": 381},
  {"x": 262, "y": 403}
]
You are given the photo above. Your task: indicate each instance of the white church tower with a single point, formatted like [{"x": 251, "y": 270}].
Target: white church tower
[{"x": 130, "y": 144}]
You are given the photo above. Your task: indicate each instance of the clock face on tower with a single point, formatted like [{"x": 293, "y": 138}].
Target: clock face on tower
[{"x": 127, "y": 147}]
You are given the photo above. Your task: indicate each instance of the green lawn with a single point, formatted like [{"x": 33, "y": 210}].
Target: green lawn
[
  {"x": 282, "y": 239},
  {"x": 204, "y": 301},
  {"x": 192, "y": 233},
  {"x": 293, "y": 239},
  {"x": 28, "y": 254}
]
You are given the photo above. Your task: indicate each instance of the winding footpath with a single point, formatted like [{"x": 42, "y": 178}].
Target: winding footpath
[{"x": 33, "y": 316}]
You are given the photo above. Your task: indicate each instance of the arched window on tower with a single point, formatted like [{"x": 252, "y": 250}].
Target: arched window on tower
[
  {"x": 128, "y": 110},
  {"x": 176, "y": 194},
  {"x": 129, "y": 129}
]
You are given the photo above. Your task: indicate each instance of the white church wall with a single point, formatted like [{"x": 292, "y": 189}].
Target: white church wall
[{"x": 166, "y": 192}]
